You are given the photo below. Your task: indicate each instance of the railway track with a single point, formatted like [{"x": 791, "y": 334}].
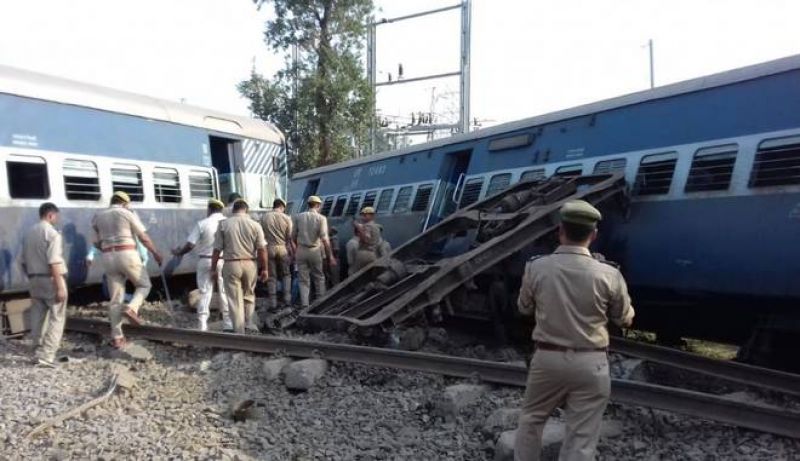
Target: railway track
[
  {"x": 741, "y": 373},
  {"x": 691, "y": 403}
]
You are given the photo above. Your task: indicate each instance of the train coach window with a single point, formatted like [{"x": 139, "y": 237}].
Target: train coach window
[
  {"x": 27, "y": 177},
  {"x": 777, "y": 163},
  {"x": 609, "y": 166},
  {"x": 711, "y": 169},
  {"x": 422, "y": 198},
  {"x": 471, "y": 192},
  {"x": 569, "y": 170},
  {"x": 498, "y": 183},
  {"x": 369, "y": 199},
  {"x": 327, "y": 204},
  {"x": 403, "y": 200},
  {"x": 81, "y": 181},
  {"x": 127, "y": 178},
  {"x": 353, "y": 206},
  {"x": 167, "y": 184},
  {"x": 655, "y": 174},
  {"x": 339, "y": 207},
  {"x": 532, "y": 175},
  {"x": 201, "y": 188},
  {"x": 289, "y": 207},
  {"x": 384, "y": 200}
]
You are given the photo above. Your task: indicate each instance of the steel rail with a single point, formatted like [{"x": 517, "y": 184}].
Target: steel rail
[
  {"x": 691, "y": 403},
  {"x": 731, "y": 371}
]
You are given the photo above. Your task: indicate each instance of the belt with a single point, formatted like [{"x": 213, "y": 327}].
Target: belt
[
  {"x": 119, "y": 248},
  {"x": 30, "y": 276},
  {"x": 240, "y": 259},
  {"x": 556, "y": 347},
  {"x": 205, "y": 256},
  {"x": 309, "y": 246}
]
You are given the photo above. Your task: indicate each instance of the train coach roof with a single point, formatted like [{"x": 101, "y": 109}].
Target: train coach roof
[
  {"x": 30, "y": 84},
  {"x": 688, "y": 86}
]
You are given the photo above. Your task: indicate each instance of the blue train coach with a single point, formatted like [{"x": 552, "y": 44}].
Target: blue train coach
[
  {"x": 709, "y": 245},
  {"x": 75, "y": 144}
]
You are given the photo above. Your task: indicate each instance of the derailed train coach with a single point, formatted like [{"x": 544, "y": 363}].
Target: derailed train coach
[
  {"x": 75, "y": 144},
  {"x": 709, "y": 240}
]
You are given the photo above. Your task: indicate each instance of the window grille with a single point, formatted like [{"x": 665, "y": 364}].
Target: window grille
[
  {"x": 532, "y": 175},
  {"x": 777, "y": 163},
  {"x": 369, "y": 199},
  {"x": 655, "y": 174},
  {"x": 167, "y": 185},
  {"x": 128, "y": 179},
  {"x": 423, "y": 197},
  {"x": 498, "y": 183},
  {"x": 353, "y": 206},
  {"x": 608, "y": 166},
  {"x": 27, "y": 177},
  {"x": 201, "y": 188},
  {"x": 384, "y": 200},
  {"x": 326, "y": 206},
  {"x": 711, "y": 169},
  {"x": 569, "y": 170},
  {"x": 81, "y": 180},
  {"x": 339, "y": 207},
  {"x": 403, "y": 199},
  {"x": 472, "y": 192}
]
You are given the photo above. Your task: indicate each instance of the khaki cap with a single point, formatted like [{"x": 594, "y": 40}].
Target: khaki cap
[
  {"x": 122, "y": 196},
  {"x": 214, "y": 203},
  {"x": 314, "y": 199},
  {"x": 368, "y": 210},
  {"x": 580, "y": 212}
]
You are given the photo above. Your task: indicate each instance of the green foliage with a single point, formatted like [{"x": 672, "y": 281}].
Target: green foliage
[{"x": 321, "y": 100}]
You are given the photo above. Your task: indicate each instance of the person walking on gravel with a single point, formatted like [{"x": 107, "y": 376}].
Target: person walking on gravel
[
  {"x": 310, "y": 235},
  {"x": 240, "y": 240},
  {"x": 43, "y": 262},
  {"x": 277, "y": 226},
  {"x": 369, "y": 239},
  {"x": 116, "y": 229},
  {"x": 573, "y": 296},
  {"x": 201, "y": 239}
]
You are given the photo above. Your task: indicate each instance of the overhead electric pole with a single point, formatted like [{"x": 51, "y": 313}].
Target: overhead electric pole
[{"x": 652, "y": 71}]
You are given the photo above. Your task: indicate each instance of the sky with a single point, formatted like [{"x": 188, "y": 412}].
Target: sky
[{"x": 528, "y": 56}]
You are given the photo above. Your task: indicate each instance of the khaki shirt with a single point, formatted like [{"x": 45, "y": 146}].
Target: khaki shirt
[
  {"x": 239, "y": 237},
  {"x": 42, "y": 247},
  {"x": 371, "y": 237},
  {"x": 117, "y": 226},
  {"x": 573, "y": 296},
  {"x": 277, "y": 228},
  {"x": 310, "y": 228}
]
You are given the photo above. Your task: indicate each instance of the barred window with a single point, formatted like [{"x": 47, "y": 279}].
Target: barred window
[
  {"x": 81, "y": 180},
  {"x": 777, "y": 163},
  {"x": 201, "y": 187},
  {"x": 403, "y": 200},
  {"x": 609, "y": 166},
  {"x": 167, "y": 185},
  {"x": 655, "y": 174},
  {"x": 369, "y": 199},
  {"x": 423, "y": 197},
  {"x": 471, "y": 192},
  {"x": 569, "y": 170},
  {"x": 711, "y": 169},
  {"x": 27, "y": 177},
  {"x": 353, "y": 205},
  {"x": 127, "y": 178},
  {"x": 532, "y": 175},
  {"x": 327, "y": 205},
  {"x": 498, "y": 183},
  {"x": 384, "y": 200},
  {"x": 339, "y": 207}
]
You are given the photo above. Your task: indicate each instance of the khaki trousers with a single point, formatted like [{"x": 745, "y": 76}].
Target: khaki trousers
[
  {"x": 47, "y": 318},
  {"x": 351, "y": 248},
  {"x": 279, "y": 266},
  {"x": 363, "y": 259},
  {"x": 309, "y": 266},
  {"x": 121, "y": 266},
  {"x": 240, "y": 284},
  {"x": 578, "y": 380}
]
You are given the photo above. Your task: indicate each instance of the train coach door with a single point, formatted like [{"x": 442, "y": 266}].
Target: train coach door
[
  {"x": 226, "y": 158},
  {"x": 452, "y": 177}
]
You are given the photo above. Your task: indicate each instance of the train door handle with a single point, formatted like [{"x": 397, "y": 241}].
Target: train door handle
[{"x": 455, "y": 191}]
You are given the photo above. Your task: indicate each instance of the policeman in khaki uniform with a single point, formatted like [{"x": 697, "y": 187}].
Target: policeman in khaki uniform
[
  {"x": 277, "y": 227},
  {"x": 240, "y": 241},
  {"x": 201, "y": 239},
  {"x": 43, "y": 262},
  {"x": 369, "y": 239},
  {"x": 117, "y": 229},
  {"x": 310, "y": 235},
  {"x": 572, "y": 296}
]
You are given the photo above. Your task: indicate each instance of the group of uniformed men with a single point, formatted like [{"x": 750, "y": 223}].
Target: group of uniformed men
[{"x": 572, "y": 294}]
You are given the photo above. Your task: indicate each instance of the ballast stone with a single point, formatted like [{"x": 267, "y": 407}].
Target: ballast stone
[
  {"x": 303, "y": 374},
  {"x": 503, "y": 419},
  {"x": 273, "y": 368},
  {"x": 459, "y": 396},
  {"x": 552, "y": 438}
]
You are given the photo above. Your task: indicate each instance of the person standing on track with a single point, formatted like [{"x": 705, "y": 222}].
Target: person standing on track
[
  {"x": 310, "y": 236},
  {"x": 43, "y": 262},
  {"x": 116, "y": 229},
  {"x": 277, "y": 226},
  {"x": 369, "y": 239},
  {"x": 201, "y": 239},
  {"x": 573, "y": 296},
  {"x": 240, "y": 240}
]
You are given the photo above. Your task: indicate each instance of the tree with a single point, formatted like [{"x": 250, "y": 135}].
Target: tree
[{"x": 320, "y": 99}]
